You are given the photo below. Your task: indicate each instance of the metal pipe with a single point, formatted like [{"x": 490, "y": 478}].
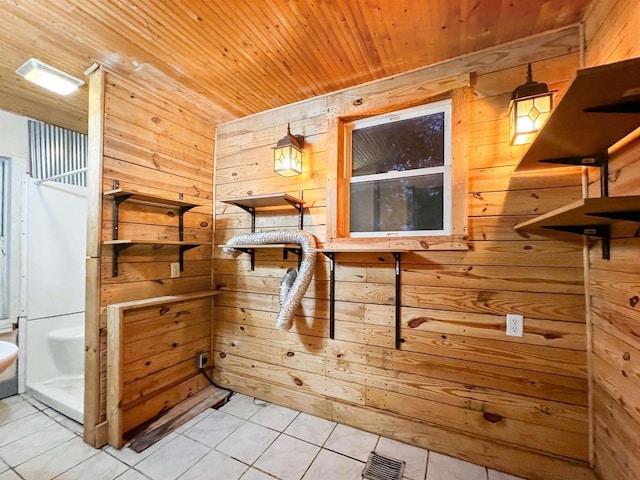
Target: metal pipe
[
  {"x": 61, "y": 175},
  {"x": 307, "y": 267}
]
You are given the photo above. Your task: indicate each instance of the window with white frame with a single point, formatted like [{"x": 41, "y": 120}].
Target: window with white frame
[
  {"x": 4, "y": 240},
  {"x": 400, "y": 172}
]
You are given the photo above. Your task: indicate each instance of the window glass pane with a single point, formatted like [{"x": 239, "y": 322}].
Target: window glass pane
[
  {"x": 402, "y": 145},
  {"x": 406, "y": 204}
]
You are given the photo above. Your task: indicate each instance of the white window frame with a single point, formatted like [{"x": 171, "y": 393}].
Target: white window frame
[
  {"x": 443, "y": 106},
  {"x": 5, "y": 240}
]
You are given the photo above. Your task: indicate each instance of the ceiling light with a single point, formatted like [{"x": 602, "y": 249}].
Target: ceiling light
[
  {"x": 287, "y": 155},
  {"x": 529, "y": 108},
  {"x": 49, "y": 77}
]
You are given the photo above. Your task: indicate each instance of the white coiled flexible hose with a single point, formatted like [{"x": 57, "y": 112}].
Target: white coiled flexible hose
[{"x": 292, "y": 288}]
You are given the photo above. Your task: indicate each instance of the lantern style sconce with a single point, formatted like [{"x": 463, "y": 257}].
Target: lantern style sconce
[
  {"x": 287, "y": 154},
  {"x": 530, "y": 107}
]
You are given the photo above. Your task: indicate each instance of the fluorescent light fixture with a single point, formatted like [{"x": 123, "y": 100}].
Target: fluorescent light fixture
[{"x": 49, "y": 77}]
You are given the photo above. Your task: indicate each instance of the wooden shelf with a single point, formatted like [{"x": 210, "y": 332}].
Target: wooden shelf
[
  {"x": 124, "y": 195},
  {"x": 264, "y": 246},
  {"x": 589, "y": 216},
  {"x": 150, "y": 302},
  {"x": 131, "y": 242},
  {"x": 360, "y": 250},
  {"x": 573, "y": 134},
  {"x": 119, "y": 195},
  {"x": 588, "y": 212},
  {"x": 264, "y": 201}
]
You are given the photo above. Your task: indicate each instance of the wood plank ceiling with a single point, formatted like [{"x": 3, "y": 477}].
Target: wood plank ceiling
[{"x": 228, "y": 59}]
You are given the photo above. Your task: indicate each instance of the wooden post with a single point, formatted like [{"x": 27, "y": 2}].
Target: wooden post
[{"x": 94, "y": 221}]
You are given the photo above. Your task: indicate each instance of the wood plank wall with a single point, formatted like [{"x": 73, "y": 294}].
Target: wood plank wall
[
  {"x": 150, "y": 145},
  {"x": 612, "y": 35},
  {"x": 458, "y": 385}
]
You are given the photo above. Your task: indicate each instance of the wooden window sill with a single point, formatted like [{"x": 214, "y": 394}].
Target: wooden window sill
[{"x": 381, "y": 244}]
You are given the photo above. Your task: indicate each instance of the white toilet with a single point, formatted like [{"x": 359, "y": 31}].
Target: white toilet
[{"x": 67, "y": 349}]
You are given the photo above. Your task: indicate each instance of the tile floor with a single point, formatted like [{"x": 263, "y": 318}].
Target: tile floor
[{"x": 246, "y": 439}]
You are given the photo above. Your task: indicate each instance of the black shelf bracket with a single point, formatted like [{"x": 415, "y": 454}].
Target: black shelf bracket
[
  {"x": 295, "y": 251},
  {"x": 601, "y": 231},
  {"x": 300, "y": 208},
  {"x": 251, "y": 211},
  {"x": 332, "y": 297},
  {"x": 332, "y": 293},
  {"x": 252, "y": 255},
  {"x": 184, "y": 248},
  {"x": 181, "y": 212},
  {"x": 115, "y": 256},
  {"x": 399, "y": 339},
  {"x": 630, "y": 216},
  {"x": 600, "y": 160},
  {"x": 115, "y": 217}
]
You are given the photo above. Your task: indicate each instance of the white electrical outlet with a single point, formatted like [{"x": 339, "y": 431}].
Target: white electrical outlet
[
  {"x": 175, "y": 269},
  {"x": 515, "y": 326}
]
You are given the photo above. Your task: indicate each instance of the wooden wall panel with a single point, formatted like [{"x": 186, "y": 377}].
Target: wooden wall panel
[
  {"x": 151, "y": 346},
  {"x": 614, "y": 286},
  {"x": 153, "y": 146},
  {"x": 457, "y": 385}
]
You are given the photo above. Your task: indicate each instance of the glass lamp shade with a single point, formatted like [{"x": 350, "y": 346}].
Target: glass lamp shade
[
  {"x": 287, "y": 161},
  {"x": 287, "y": 155},
  {"x": 527, "y": 115}
]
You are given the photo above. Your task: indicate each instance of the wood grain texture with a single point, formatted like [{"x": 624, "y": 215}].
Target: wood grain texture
[
  {"x": 456, "y": 367},
  {"x": 154, "y": 148},
  {"x": 281, "y": 52},
  {"x": 93, "y": 324},
  {"x": 151, "y": 350},
  {"x": 611, "y": 36}
]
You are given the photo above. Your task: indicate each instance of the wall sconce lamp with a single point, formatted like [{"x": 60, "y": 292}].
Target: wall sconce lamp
[
  {"x": 530, "y": 107},
  {"x": 287, "y": 154}
]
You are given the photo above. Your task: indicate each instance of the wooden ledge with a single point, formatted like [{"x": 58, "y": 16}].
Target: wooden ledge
[
  {"x": 397, "y": 244},
  {"x": 150, "y": 302}
]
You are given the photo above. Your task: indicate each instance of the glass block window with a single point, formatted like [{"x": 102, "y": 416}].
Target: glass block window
[{"x": 400, "y": 167}]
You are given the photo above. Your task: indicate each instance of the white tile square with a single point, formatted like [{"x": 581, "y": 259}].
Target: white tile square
[
  {"x": 496, "y": 475},
  {"x": 414, "y": 457},
  {"x": 53, "y": 414},
  {"x": 28, "y": 425},
  {"x": 243, "y": 406},
  {"x": 36, "y": 403},
  {"x": 172, "y": 459},
  {"x": 72, "y": 426},
  {"x": 254, "y": 474},
  {"x": 248, "y": 442},
  {"x": 132, "y": 474},
  {"x": 9, "y": 475},
  {"x": 98, "y": 467},
  {"x": 214, "y": 428},
  {"x": 351, "y": 442},
  {"x": 330, "y": 465},
  {"x": 132, "y": 458},
  {"x": 287, "y": 458},
  {"x": 310, "y": 429},
  {"x": 11, "y": 400},
  {"x": 3, "y": 466},
  {"x": 15, "y": 410},
  {"x": 33, "y": 445},
  {"x": 57, "y": 460},
  {"x": 443, "y": 467},
  {"x": 223, "y": 466},
  {"x": 187, "y": 425},
  {"x": 274, "y": 417}
]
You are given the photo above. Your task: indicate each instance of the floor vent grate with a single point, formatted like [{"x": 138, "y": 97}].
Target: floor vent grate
[{"x": 379, "y": 467}]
